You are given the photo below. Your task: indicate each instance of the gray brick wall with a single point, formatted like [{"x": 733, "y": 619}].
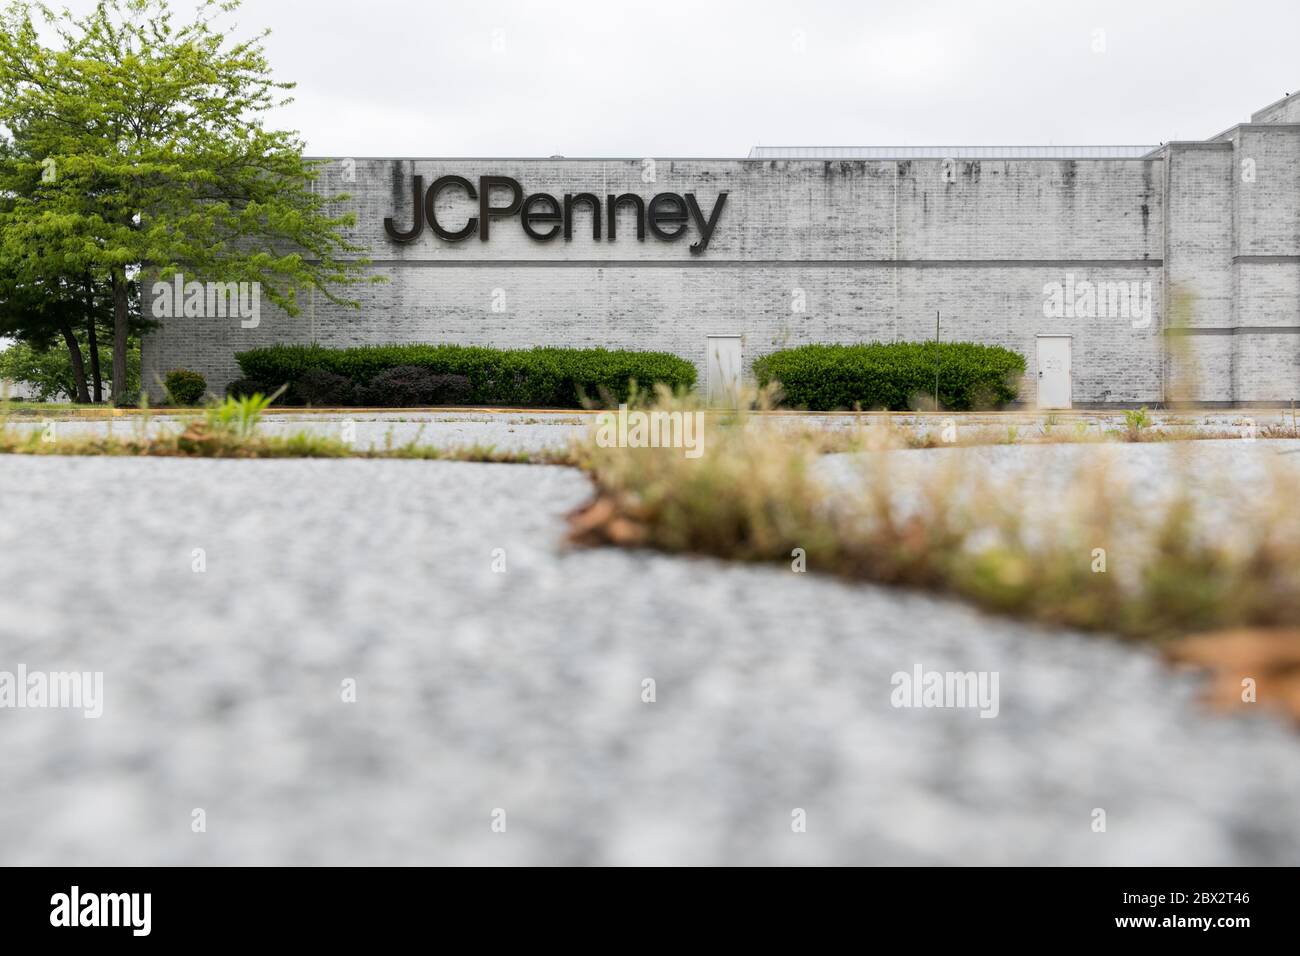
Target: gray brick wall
[
  {"x": 1285, "y": 110},
  {"x": 872, "y": 248},
  {"x": 1266, "y": 259}
]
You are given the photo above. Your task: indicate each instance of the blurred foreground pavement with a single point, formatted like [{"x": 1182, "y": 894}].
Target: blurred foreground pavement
[{"x": 480, "y": 690}]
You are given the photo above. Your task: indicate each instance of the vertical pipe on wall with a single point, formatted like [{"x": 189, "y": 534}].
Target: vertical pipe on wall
[
  {"x": 311, "y": 307},
  {"x": 1162, "y": 332},
  {"x": 898, "y": 305}
]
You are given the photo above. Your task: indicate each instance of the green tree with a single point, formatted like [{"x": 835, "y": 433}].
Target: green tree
[
  {"x": 39, "y": 313},
  {"x": 49, "y": 373},
  {"x": 138, "y": 146},
  {"x": 46, "y": 374},
  {"x": 50, "y": 309}
]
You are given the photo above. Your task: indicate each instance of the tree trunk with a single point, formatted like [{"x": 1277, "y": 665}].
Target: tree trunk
[
  {"x": 92, "y": 338},
  {"x": 119, "y": 336},
  {"x": 78, "y": 365}
]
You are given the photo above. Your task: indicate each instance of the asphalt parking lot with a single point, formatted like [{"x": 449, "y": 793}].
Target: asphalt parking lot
[{"x": 387, "y": 661}]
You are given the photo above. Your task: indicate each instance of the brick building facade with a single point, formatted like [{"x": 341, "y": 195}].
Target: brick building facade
[{"x": 1176, "y": 274}]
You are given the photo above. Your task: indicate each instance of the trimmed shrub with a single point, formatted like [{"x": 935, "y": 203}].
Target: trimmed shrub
[
  {"x": 322, "y": 389},
  {"x": 185, "y": 387},
  {"x": 402, "y": 387},
  {"x": 454, "y": 389},
  {"x": 473, "y": 375},
  {"x": 896, "y": 376},
  {"x": 244, "y": 387}
]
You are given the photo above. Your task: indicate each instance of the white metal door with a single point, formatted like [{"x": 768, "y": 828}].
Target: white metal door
[
  {"x": 1054, "y": 382},
  {"x": 723, "y": 379}
]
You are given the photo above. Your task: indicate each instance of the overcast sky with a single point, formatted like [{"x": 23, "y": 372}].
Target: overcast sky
[{"x": 715, "y": 77}]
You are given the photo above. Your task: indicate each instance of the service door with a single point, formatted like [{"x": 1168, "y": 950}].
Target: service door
[
  {"x": 1054, "y": 382},
  {"x": 723, "y": 380}
]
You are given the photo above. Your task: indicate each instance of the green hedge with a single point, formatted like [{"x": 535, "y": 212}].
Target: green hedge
[
  {"x": 896, "y": 376},
  {"x": 540, "y": 377},
  {"x": 185, "y": 387}
]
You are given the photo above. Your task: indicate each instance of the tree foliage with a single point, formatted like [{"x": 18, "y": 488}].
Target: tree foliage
[
  {"x": 139, "y": 145},
  {"x": 48, "y": 375}
]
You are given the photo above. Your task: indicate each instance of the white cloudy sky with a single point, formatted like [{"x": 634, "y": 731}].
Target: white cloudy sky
[{"x": 714, "y": 77}]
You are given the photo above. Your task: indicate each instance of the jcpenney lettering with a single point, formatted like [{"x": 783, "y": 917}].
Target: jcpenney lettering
[{"x": 667, "y": 216}]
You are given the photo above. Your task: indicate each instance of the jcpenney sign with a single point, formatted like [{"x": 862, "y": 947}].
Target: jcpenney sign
[{"x": 667, "y": 216}]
